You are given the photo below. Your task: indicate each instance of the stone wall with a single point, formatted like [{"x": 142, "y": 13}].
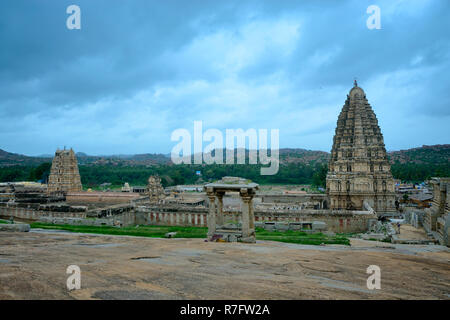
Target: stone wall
[
  {"x": 37, "y": 211},
  {"x": 313, "y": 201},
  {"x": 172, "y": 216},
  {"x": 437, "y": 218},
  {"x": 31, "y": 213},
  {"x": 337, "y": 221},
  {"x": 123, "y": 220},
  {"x": 100, "y": 197}
]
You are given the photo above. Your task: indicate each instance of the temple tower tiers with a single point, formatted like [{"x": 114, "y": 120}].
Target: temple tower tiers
[
  {"x": 155, "y": 189},
  {"x": 359, "y": 170},
  {"x": 64, "y": 174}
]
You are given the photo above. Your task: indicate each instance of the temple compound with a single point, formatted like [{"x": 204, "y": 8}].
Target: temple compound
[
  {"x": 359, "y": 175},
  {"x": 64, "y": 175},
  {"x": 360, "y": 189},
  {"x": 217, "y": 229}
]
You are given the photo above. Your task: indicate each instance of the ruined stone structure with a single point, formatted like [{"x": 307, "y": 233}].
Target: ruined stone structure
[
  {"x": 64, "y": 175},
  {"x": 100, "y": 197},
  {"x": 177, "y": 215},
  {"x": 155, "y": 189},
  {"x": 216, "y": 222},
  {"x": 437, "y": 218},
  {"x": 359, "y": 170},
  {"x": 303, "y": 201}
]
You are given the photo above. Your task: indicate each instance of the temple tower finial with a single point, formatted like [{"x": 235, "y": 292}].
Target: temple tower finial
[{"x": 355, "y": 83}]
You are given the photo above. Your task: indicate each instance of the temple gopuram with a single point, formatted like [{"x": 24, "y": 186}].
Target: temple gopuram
[
  {"x": 359, "y": 170},
  {"x": 64, "y": 175}
]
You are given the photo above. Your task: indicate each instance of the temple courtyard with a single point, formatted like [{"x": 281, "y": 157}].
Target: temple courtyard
[{"x": 33, "y": 266}]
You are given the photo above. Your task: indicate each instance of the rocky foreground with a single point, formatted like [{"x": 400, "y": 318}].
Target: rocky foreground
[{"x": 33, "y": 266}]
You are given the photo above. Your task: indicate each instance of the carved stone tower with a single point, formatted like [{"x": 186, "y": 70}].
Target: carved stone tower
[
  {"x": 359, "y": 170},
  {"x": 64, "y": 174},
  {"x": 155, "y": 189}
]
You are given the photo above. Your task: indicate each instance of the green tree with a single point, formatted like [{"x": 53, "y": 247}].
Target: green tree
[{"x": 320, "y": 175}]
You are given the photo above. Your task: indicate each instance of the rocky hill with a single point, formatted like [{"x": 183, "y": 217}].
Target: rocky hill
[
  {"x": 436, "y": 154},
  {"x": 303, "y": 156},
  {"x": 14, "y": 159}
]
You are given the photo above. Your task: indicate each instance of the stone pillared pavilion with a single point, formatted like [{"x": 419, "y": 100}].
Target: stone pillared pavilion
[{"x": 359, "y": 169}]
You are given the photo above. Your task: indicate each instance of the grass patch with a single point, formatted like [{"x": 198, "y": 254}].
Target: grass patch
[
  {"x": 4, "y": 221},
  {"x": 298, "y": 237},
  {"x": 141, "y": 231}
]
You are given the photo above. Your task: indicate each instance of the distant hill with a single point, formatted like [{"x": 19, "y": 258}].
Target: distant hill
[
  {"x": 147, "y": 159},
  {"x": 436, "y": 154},
  {"x": 8, "y": 159},
  {"x": 289, "y": 155},
  {"x": 14, "y": 159}
]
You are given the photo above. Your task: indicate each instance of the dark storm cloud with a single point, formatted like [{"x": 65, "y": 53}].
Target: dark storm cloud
[{"x": 139, "y": 69}]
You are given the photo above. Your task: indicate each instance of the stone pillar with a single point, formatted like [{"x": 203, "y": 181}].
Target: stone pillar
[
  {"x": 251, "y": 216},
  {"x": 220, "y": 218},
  {"x": 245, "y": 218},
  {"x": 248, "y": 218},
  {"x": 212, "y": 213}
]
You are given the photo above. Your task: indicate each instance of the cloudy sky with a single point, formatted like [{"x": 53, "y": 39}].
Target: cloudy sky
[{"x": 138, "y": 70}]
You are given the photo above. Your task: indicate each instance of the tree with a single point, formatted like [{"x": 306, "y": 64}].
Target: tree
[
  {"x": 320, "y": 175},
  {"x": 41, "y": 172}
]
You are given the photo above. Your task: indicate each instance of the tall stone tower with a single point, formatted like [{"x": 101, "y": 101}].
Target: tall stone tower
[
  {"x": 155, "y": 189},
  {"x": 64, "y": 174},
  {"x": 359, "y": 170}
]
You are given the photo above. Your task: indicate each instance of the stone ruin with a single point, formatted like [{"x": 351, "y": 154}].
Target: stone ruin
[
  {"x": 217, "y": 229},
  {"x": 27, "y": 192},
  {"x": 437, "y": 218},
  {"x": 155, "y": 190},
  {"x": 64, "y": 175}
]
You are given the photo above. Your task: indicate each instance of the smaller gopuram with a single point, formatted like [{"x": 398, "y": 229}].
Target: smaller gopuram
[
  {"x": 217, "y": 229},
  {"x": 64, "y": 175},
  {"x": 155, "y": 189}
]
